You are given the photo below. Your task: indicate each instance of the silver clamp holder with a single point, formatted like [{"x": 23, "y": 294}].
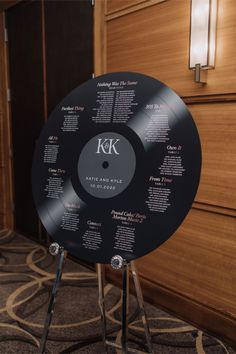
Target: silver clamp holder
[
  {"x": 117, "y": 262},
  {"x": 55, "y": 249}
]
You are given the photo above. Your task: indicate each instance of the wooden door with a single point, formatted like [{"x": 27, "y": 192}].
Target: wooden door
[
  {"x": 69, "y": 47},
  {"x": 50, "y": 53},
  {"x": 26, "y": 85}
]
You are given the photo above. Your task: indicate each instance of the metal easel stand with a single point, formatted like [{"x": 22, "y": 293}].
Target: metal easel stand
[
  {"x": 55, "y": 250},
  {"x": 118, "y": 262}
]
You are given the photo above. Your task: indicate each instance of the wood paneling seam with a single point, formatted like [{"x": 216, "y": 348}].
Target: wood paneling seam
[{"x": 131, "y": 9}]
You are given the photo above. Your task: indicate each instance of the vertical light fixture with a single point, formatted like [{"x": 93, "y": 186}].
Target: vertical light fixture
[{"x": 202, "y": 36}]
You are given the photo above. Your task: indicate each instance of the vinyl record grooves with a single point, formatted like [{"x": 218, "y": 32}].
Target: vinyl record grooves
[{"x": 116, "y": 167}]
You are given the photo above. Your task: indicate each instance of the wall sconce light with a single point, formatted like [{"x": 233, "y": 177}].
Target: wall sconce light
[{"x": 202, "y": 36}]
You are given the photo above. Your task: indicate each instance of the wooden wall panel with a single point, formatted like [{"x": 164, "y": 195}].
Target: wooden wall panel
[
  {"x": 193, "y": 274},
  {"x": 198, "y": 261},
  {"x": 155, "y": 41},
  {"x": 114, "y": 8},
  {"x": 116, "y": 5},
  {"x": 99, "y": 38},
  {"x": 217, "y": 128}
]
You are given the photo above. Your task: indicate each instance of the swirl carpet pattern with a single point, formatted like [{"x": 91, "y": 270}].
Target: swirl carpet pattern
[{"x": 27, "y": 272}]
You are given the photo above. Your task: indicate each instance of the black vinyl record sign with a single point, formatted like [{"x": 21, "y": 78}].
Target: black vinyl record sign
[{"x": 116, "y": 167}]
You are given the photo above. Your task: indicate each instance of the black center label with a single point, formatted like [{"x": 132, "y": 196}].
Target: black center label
[{"x": 106, "y": 165}]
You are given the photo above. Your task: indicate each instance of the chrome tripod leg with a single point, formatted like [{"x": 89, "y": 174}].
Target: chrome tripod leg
[
  {"x": 141, "y": 306},
  {"x": 54, "y": 249},
  {"x": 125, "y": 307},
  {"x": 101, "y": 302}
]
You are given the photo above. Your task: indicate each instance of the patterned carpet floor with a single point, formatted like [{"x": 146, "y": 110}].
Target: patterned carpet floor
[{"x": 27, "y": 271}]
